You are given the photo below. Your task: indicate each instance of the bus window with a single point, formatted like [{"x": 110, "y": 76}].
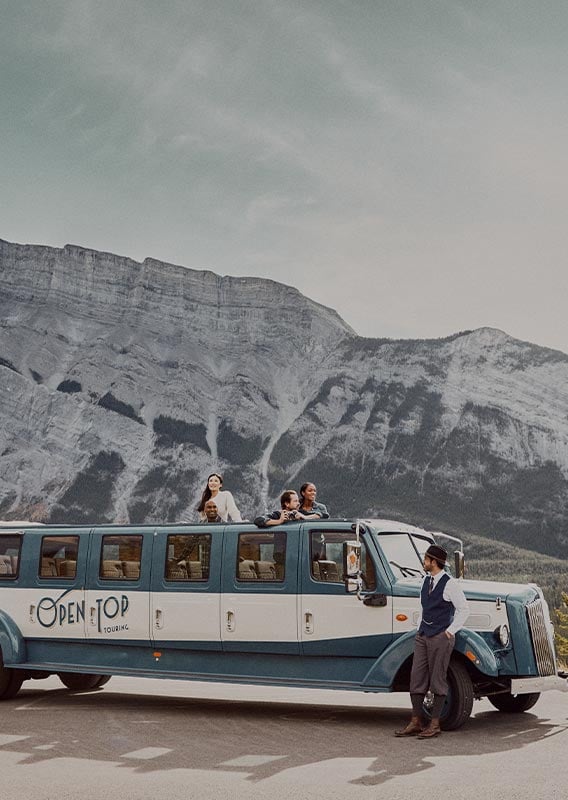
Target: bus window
[
  {"x": 261, "y": 557},
  {"x": 58, "y": 557},
  {"x": 405, "y": 553},
  {"x": 120, "y": 558},
  {"x": 10, "y": 546},
  {"x": 327, "y": 558},
  {"x": 188, "y": 556}
]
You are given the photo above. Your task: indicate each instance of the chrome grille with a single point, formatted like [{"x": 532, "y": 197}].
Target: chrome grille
[{"x": 542, "y": 645}]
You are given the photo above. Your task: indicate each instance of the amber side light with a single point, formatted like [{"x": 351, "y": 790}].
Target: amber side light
[
  {"x": 472, "y": 656},
  {"x": 401, "y": 617},
  {"x": 156, "y": 655}
]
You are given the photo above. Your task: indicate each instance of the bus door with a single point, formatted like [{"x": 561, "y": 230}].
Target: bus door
[
  {"x": 117, "y": 595},
  {"x": 185, "y": 583},
  {"x": 333, "y": 622},
  {"x": 53, "y": 572},
  {"x": 259, "y": 600}
]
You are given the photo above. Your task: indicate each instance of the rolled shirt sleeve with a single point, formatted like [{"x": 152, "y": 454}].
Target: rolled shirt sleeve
[
  {"x": 262, "y": 519},
  {"x": 454, "y": 594}
]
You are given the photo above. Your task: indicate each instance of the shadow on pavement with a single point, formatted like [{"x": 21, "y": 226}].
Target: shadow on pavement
[{"x": 267, "y": 738}]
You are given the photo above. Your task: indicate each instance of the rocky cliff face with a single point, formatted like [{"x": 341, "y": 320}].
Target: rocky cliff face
[{"x": 124, "y": 384}]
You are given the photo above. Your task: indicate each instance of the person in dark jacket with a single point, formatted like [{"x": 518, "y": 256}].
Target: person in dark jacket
[
  {"x": 289, "y": 512},
  {"x": 444, "y": 612}
]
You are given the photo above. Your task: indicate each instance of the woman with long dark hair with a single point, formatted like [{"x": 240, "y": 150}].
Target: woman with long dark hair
[
  {"x": 308, "y": 505},
  {"x": 226, "y": 506}
]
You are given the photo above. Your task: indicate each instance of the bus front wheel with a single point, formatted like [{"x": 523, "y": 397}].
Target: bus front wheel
[
  {"x": 459, "y": 700},
  {"x": 10, "y": 682}
]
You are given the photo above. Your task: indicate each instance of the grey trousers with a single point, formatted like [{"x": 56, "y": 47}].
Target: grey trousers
[{"x": 430, "y": 663}]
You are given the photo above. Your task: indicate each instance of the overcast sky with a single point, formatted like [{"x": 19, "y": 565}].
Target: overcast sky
[{"x": 402, "y": 161}]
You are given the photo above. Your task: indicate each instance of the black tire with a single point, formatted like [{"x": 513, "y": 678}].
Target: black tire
[
  {"x": 514, "y": 703},
  {"x": 79, "y": 681},
  {"x": 10, "y": 682},
  {"x": 103, "y": 679},
  {"x": 459, "y": 700}
]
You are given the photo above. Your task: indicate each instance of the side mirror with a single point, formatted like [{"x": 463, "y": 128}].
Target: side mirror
[
  {"x": 352, "y": 566},
  {"x": 459, "y": 559}
]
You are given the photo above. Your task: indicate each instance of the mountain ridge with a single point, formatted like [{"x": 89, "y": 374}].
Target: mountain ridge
[{"x": 125, "y": 383}]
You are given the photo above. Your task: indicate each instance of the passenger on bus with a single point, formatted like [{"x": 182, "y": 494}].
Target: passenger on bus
[
  {"x": 289, "y": 503},
  {"x": 308, "y": 505},
  {"x": 226, "y": 506},
  {"x": 211, "y": 513}
]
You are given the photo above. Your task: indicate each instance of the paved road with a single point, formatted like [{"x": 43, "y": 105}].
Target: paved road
[{"x": 142, "y": 739}]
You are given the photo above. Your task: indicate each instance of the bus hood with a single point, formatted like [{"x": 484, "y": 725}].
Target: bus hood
[
  {"x": 476, "y": 590},
  {"x": 491, "y": 590}
]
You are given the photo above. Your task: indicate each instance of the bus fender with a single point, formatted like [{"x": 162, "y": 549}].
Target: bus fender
[
  {"x": 12, "y": 645},
  {"x": 384, "y": 670},
  {"x": 477, "y": 651},
  {"x": 386, "y": 667}
]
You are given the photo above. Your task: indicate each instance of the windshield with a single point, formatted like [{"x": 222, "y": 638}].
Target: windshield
[{"x": 404, "y": 553}]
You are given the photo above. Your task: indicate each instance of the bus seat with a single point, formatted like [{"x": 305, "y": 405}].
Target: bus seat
[
  {"x": 175, "y": 571},
  {"x": 265, "y": 570},
  {"x": 328, "y": 571},
  {"x": 68, "y": 568},
  {"x": 194, "y": 570},
  {"x": 316, "y": 570},
  {"x": 247, "y": 571},
  {"x": 58, "y": 565},
  {"x": 6, "y": 565},
  {"x": 48, "y": 568},
  {"x": 112, "y": 569},
  {"x": 131, "y": 569}
]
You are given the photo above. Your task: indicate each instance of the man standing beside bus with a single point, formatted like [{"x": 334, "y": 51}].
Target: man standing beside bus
[{"x": 443, "y": 613}]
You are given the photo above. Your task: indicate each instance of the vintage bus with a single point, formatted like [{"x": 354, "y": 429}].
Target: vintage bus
[{"x": 324, "y": 604}]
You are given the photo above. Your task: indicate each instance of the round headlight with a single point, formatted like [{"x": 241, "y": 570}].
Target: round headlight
[{"x": 502, "y": 635}]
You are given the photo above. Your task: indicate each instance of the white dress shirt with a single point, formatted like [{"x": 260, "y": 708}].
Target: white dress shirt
[{"x": 453, "y": 593}]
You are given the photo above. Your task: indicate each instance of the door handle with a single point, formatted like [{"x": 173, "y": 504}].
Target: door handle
[
  {"x": 159, "y": 618},
  {"x": 32, "y": 609},
  {"x": 231, "y": 624},
  {"x": 308, "y": 622}
]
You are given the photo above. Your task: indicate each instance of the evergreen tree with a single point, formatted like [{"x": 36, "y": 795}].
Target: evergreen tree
[{"x": 561, "y": 629}]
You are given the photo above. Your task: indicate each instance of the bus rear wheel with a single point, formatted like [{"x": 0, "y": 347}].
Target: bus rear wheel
[
  {"x": 514, "y": 703},
  {"x": 10, "y": 682},
  {"x": 81, "y": 682}
]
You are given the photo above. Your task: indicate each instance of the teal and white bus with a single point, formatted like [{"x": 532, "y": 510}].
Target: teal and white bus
[{"x": 235, "y": 603}]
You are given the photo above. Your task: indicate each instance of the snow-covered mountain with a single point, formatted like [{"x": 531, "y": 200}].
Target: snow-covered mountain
[{"x": 124, "y": 384}]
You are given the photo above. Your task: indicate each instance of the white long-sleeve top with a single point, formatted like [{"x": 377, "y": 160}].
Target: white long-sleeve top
[
  {"x": 453, "y": 593},
  {"x": 226, "y": 507}
]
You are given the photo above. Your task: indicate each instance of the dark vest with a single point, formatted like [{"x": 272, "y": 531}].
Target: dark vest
[{"x": 437, "y": 613}]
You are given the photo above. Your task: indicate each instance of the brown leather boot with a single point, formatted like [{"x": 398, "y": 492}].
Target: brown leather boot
[
  {"x": 432, "y": 730},
  {"x": 413, "y": 727}
]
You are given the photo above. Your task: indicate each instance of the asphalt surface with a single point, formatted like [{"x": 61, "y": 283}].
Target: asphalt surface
[{"x": 142, "y": 739}]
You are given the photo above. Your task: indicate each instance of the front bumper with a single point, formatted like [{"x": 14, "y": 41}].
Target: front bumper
[{"x": 542, "y": 684}]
